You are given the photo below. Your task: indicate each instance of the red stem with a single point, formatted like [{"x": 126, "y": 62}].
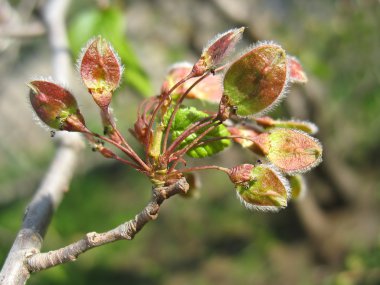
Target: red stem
[
  {"x": 181, "y": 152},
  {"x": 226, "y": 137},
  {"x": 122, "y": 148},
  {"x": 176, "y": 107},
  {"x": 145, "y": 107},
  {"x": 135, "y": 166},
  {"x": 131, "y": 153},
  {"x": 162, "y": 100},
  {"x": 221, "y": 68},
  {"x": 191, "y": 129},
  {"x": 205, "y": 167}
]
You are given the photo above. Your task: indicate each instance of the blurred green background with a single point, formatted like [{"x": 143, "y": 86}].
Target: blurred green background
[{"x": 330, "y": 237}]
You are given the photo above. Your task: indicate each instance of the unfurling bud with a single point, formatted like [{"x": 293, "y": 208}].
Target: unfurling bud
[
  {"x": 293, "y": 151},
  {"x": 296, "y": 73},
  {"x": 209, "y": 89},
  {"x": 257, "y": 80},
  {"x": 140, "y": 129},
  {"x": 269, "y": 123},
  {"x": 260, "y": 187},
  {"x": 217, "y": 50},
  {"x": 56, "y": 106},
  {"x": 241, "y": 174},
  {"x": 101, "y": 70}
]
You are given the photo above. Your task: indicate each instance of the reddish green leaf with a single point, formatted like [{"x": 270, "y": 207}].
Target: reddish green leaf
[
  {"x": 217, "y": 50},
  {"x": 55, "y": 106},
  {"x": 257, "y": 80},
  {"x": 260, "y": 187},
  {"x": 101, "y": 70},
  {"x": 293, "y": 151}
]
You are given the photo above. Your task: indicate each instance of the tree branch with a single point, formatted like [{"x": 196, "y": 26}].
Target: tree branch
[
  {"x": 55, "y": 183},
  {"x": 39, "y": 212},
  {"x": 29, "y": 30},
  {"x": 125, "y": 231},
  {"x": 320, "y": 231}
]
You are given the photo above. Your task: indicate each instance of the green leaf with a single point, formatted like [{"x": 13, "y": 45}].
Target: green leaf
[
  {"x": 109, "y": 24},
  {"x": 189, "y": 115},
  {"x": 257, "y": 80}
]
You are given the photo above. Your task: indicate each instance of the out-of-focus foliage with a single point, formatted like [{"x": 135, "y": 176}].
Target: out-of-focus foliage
[
  {"x": 360, "y": 267},
  {"x": 338, "y": 42}
]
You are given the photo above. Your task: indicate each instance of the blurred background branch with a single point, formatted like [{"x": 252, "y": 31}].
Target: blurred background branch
[{"x": 56, "y": 181}]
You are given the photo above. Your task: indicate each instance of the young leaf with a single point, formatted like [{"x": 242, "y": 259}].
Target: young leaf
[
  {"x": 269, "y": 123},
  {"x": 109, "y": 23},
  {"x": 293, "y": 151},
  {"x": 260, "y": 187},
  {"x": 296, "y": 73},
  {"x": 217, "y": 50},
  {"x": 209, "y": 89},
  {"x": 189, "y": 115},
  {"x": 55, "y": 106},
  {"x": 257, "y": 80},
  {"x": 101, "y": 70}
]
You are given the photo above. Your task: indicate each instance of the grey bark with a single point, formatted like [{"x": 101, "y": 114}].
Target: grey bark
[{"x": 56, "y": 181}]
